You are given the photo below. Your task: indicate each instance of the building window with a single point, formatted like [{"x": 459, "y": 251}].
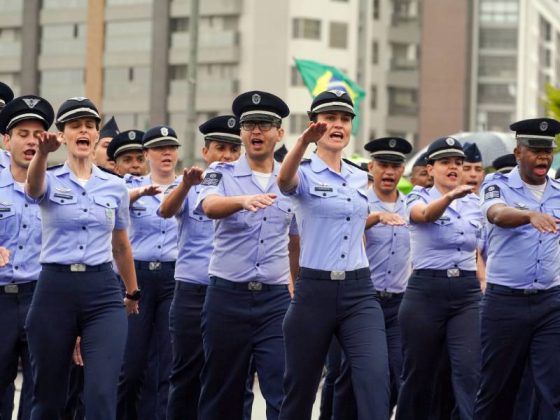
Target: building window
[
  {"x": 298, "y": 123},
  {"x": 545, "y": 29},
  {"x": 180, "y": 24},
  {"x": 497, "y": 66},
  {"x": 498, "y": 38},
  {"x": 373, "y": 97},
  {"x": 403, "y": 101},
  {"x": 375, "y": 52},
  {"x": 306, "y": 28},
  {"x": 499, "y": 11},
  {"x": 338, "y": 35},
  {"x": 296, "y": 79},
  {"x": 376, "y": 7},
  {"x": 178, "y": 72},
  {"x": 503, "y": 93}
]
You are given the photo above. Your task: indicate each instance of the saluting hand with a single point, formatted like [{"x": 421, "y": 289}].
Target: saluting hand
[
  {"x": 543, "y": 222},
  {"x": 460, "y": 192},
  {"x": 150, "y": 190},
  {"x": 258, "y": 201},
  {"x": 391, "y": 219},
  {"x": 314, "y": 132},
  {"x": 48, "y": 142},
  {"x": 132, "y": 307},
  {"x": 4, "y": 256},
  {"x": 192, "y": 176}
]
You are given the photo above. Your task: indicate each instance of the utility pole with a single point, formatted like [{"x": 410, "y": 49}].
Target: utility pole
[{"x": 190, "y": 131}]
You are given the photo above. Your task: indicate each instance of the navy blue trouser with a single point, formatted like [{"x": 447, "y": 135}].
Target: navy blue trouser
[
  {"x": 344, "y": 402},
  {"x": 345, "y": 309},
  {"x": 74, "y": 408},
  {"x": 67, "y": 305},
  {"x": 238, "y": 323},
  {"x": 7, "y": 403},
  {"x": 333, "y": 364},
  {"x": 438, "y": 312},
  {"x": 153, "y": 321},
  {"x": 186, "y": 345},
  {"x": 529, "y": 404},
  {"x": 516, "y": 327},
  {"x": 13, "y": 346}
]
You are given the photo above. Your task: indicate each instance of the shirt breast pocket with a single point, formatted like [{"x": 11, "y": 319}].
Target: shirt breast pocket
[
  {"x": 444, "y": 228},
  {"x": 104, "y": 210},
  {"x": 198, "y": 224},
  {"x": 64, "y": 207},
  {"x": 237, "y": 221},
  {"x": 7, "y": 221},
  {"x": 281, "y": 211},
  {"x": 326, "y": 202}
]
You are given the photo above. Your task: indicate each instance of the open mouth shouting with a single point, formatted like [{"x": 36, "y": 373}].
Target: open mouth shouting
[
  {"x": 29, "y": 153},
  {"x": 541, "y": 170},
  {"x": 257, "y": 143},
  {"x": 83, "y": 142},
  {"x": 452, "y": 175},
  {"x": 337, "y": 136}
]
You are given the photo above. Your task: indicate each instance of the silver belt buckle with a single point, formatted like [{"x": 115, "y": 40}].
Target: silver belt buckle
[
  {"x": 11, "y": 289},
  {"x": 255, "y": 286},
  {"x": 338, "y": 275},
  {"x": 154, "y": 265},
  {"x": 453, "y": 272},
  {"x": 77, "y": 267}
]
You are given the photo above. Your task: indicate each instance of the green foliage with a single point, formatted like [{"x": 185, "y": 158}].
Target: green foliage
[{"x": 552, "y": 104}]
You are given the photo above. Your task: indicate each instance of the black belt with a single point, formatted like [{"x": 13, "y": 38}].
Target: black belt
[
  {"x": 387, "y": 295},
  {"x": 252, "y": 286},
  {"x": 452, "y": 272},
  {"x": 14, "y": 289},
  {"x": 77, "y": 268},
  {"x": 192, "y": 287},
  {"x": 154, "y": 265},
  {"x": 519, "y": 292},
  {"x": 334, "y": 275}
]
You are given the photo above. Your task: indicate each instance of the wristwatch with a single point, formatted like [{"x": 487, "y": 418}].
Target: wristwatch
[{"x": 134, "y": 295}]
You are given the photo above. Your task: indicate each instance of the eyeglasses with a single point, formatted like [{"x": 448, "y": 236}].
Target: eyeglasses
[{"x": 263, "y": 125}]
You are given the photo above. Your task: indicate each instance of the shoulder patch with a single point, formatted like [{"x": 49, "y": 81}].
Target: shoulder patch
[
  {"x": 306, "y": 160},
  {"x": 491, "y": 192},
  {"x": 411, "y": 198},
  {"x": 211, "y": 179}
]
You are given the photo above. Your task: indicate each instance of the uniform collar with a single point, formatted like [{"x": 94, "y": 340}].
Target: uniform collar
[
  {"x": 242, "y": 167},
  {"x": 515, "y": 181},
  {"x": 398, "y": 204},
  {"x": 95, "y": 171},
  {"x": 319, "y": 165}
]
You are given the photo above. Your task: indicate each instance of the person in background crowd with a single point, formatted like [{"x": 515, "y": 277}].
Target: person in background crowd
[
  {"x": 106, "y": 134},
  {"x": 125, "y": 149},
  {"x": 473, "y": 169},
  {"x": 504, "y": 164},
  {"x": 420, "y": 175}
]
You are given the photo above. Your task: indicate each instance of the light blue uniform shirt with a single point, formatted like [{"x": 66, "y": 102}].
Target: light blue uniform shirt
[
  {"x": 331, "y": 211},
  {"x": 388, "y": 248},
  {"x": 4, "y": 159},
  {"x": 20, "y": 232},
  {"x": 450, "y": 241},
  {"x": 152, "y": 237},
  {"x": 249, "y": 246},
  {"x": 521, "y": 257},
  {"x": 195, "y": 243},
  {"x": 78, "y": 221}
]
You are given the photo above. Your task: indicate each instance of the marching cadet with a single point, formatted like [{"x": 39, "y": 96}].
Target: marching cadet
[
  {"x": 520, "y": 311},
  {"x": 84, "y": 217},
  {"x": 125, "y": 149},
  {"x": 504, "y": 164},
  {"x": 106, "y": 134},
  {"x": 247, "y": 295},
  {"x": 154, "y": 247},
  {"x": 22, "y": 122},
  {"x": 473, "y": 169},
  {"x": 440, "y": 305},
  {"x": 222, "y": 143},
  {"x": 420, "y": 175},
  {"x": 6, "y": 95},
  {"x": 334, "y": 294}
]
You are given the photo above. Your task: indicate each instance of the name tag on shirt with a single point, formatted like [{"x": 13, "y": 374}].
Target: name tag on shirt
[
  {"x": 323, "y": 188},
  {"x": 65, "y": 196},
  {"x": 491, "y": 192},
  {"x": 211, "y": 179}
]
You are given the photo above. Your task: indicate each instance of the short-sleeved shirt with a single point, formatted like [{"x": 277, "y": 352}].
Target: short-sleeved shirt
[
  {"x": 331, "y": 210},
  {"x": 248, "y": 246},
  {"x": 521, "y": 257},
  {"x": 152, "y": 237},
  {"x": 451, "y": 240},
  {"x": 388, "y": 248},
  {"x": 20, "y": 232},
  {"x": 78, "y": 221},
  {"x": 4, "y": 159}
]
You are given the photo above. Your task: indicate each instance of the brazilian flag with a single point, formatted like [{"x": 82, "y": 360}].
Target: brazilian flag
[{"x": 319, "y": 77}]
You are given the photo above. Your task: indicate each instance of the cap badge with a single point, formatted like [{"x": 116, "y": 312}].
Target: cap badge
[
  {"x": 31, "y": 102},
  {"x": 131, "y": 135},
  {"x": 256, "y": 99},
  {"x": 392, "y": 143},
  {"x": 164, "y": 131},
  {"x": 231, "y": 123},
  {"x": 450, "y": 141},
  {"x": 543, "y": 126},
  {"x": 78, "y": 98},
  {"x": 337, "y": 92}
]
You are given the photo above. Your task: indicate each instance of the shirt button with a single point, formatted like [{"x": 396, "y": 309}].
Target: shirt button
[
  {"x": 458, "y": 249},
  {"x": 258, "y": 265},
  {"x": 264, "y": 218},
  {"x": 17, "y": 268},
  {"x": 200, "y": 218},
  {"x": 85, "y": 210},
  {"x": 62, "y": 201},
  {"x": 347, "y": 219},
  {"x": 346, "y": 237},
  {"x": 458, "y": 217},
  {"x": 536, "y": 281},
  {"x": 324, "y": 194},
  {"x": 389, "y": 272},
  {"x": 262, "y": 241},
  {"x": 342, "y": 256},
  {"x": 289, "y": 210},
  {"x": 20, "y": 247},
  {"x": 24, "y": 226},
  {"x": 455, "y": 265},
  {"x": 462, "y": 233},
  {"x": 394, "y": 234},
  {"x": 344, "y": 184},
  {"x": 538, "y": 261},
  {"x": 26, "y": 205},
  {"x": 393, "y": 253},
  {"x": 81, "y": 247},
  {"x": 137, "y": 214},
  {"x": 348, "y": 199},
  {"x": 83, "y": 193},
  {"x": 83, "y": 228},
  {"x": 163, "y": 231},
  {"x": 159, "y": 246}
]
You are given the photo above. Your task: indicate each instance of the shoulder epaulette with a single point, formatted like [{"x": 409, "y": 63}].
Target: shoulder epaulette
[
  {"x": 110, "y": 172},
  {"x": 349, "y": 162},
  {"x": 52, "y": 168}
]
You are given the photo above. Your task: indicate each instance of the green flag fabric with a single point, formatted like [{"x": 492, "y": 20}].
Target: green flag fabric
[{"x": 319, "y": 77}]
